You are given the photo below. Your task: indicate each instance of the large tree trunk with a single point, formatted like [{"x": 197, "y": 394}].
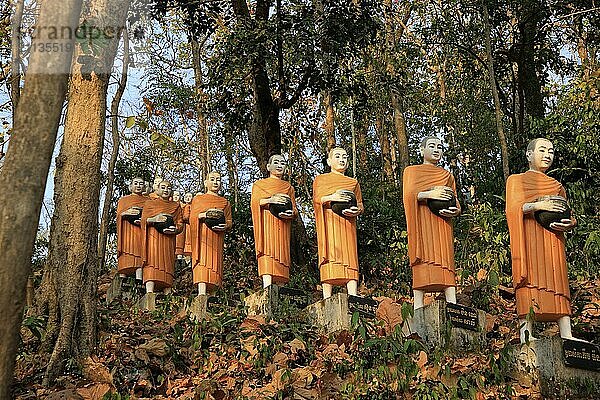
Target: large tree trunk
[
  {"x": 15, "y": 63},
  {"x": 329, "y": 125},
  {"x": 530, "y": 14},
  {"x": 401, "y": 133},
  {"x": 492, "y": 78},
  {"x": 116, "y": 139},
  {"x": 71, "y": 271},
  {"x": 202, "y": 136},
  {"x": 23, "y": 176}
]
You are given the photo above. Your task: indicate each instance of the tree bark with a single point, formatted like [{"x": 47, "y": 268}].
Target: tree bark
[
  {"x": 384, "y": 143},
  {"x": 15, "y": 64},
  {"x": 114, "y": 155},
  {"x": 329, "y": 120},
  {"x": 203, "y": 141},
  {"x": 401, "y": 134},
  {"x": 23, "y": 176},
  {"x": 492, "y": 78},
  {"x": 72, "y": 268}
]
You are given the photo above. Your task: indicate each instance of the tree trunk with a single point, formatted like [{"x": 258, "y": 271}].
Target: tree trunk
[
  {"x": 203, "y": 142},
  {"x": 15, "y": 63},
  {"x": 329, "y": 120},
  {"x": 23, "y": 176},
  {"x": 529, "y": 15},
  {"x": 492, "y": 77},
  {"x": 384, "y": 143},
  {"x": 116, "y": 138},
  {"x": 401, "y": 134},
  {"x": 72, "y": 268}
]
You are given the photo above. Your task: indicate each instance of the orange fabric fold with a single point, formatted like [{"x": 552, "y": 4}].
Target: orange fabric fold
[
  {"x": 430, "y": 237},
  {"x": 158, "y": 250},
  {"x": 129, "y": 236},
  {"x": 539, "y": 265},
  {"x": 207, "y": 245},
  {"x": 182, "y": 237},
  {"x": 271, "y": 234},
  {"x": 336, "y": 235}
]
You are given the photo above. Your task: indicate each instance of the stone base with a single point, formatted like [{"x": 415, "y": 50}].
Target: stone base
[
  {"x": 121, "y": 287},
  {"x": 545, "y": 361},
  {"x": 147, "y": 302},
  {"x": 262, "y": 302},
  {"x": 197, "y": 309},
  {"x": 432, "y": 325},
  {"x": 330, "y": 314}
]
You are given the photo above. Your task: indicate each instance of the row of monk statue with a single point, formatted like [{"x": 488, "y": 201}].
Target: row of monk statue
[{"x": 151, "y": 231}]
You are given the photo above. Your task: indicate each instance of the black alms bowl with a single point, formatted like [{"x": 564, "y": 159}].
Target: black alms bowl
[
  {"x": 339, "y": 206},
  {"x": 214, "y": 217},
  {"x": 161, "y": 226},
  {"x": 545, "y": 218},
  {"x": 132, "y": 218},
  {"x": 279, "y": 208},
  {"x": 437, "y": 205}
]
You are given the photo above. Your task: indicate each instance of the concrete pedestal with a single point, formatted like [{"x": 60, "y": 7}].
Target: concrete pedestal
[
  {"x": 433, "y": 325},
  {"x": 147, "y": 302},
  {"x": 545, "y": 359},
  {"x": 330, "y": 314},
  {"x": 197, "y": 309},
  {"x": 262, "y": 302},
  {"x": 120, "y": 287}
]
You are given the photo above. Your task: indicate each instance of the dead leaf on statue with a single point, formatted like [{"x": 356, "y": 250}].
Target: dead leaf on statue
[{"x": 390, "y": 312}]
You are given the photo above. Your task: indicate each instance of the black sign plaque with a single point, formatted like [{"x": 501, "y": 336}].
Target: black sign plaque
[
  {"x": 294, "y": 296},
  {"x": 462, "y": 317},
  {"x": 366, "y": 307},
  {"x": 581, "y": 355}
]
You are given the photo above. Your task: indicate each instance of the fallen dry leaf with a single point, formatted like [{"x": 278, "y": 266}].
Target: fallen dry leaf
[{"x": 94, "y": 392}]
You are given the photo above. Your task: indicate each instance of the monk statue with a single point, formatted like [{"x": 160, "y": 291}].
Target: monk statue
[
  {"x": 539, "y": 266},
  {"x": 180, "y": 239},
  {"x": 210, "y": 217},
  {"x": 273, "y": 207},
  {"x": 162, "y": 220},
  {"x": 154, "y": 194},
  {"x": 430, "y": 203},
  {"x": 337, "y": 200},
  {"x": 129, "y": 232},
  {"x": 187, "y": 246}
]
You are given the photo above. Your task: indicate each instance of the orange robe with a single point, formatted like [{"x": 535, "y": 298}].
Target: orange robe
[
  {"x": 336, "y": 236},
  {"x": 539, "y": 265},
  {"x": 271, "y": 234},
  {"x": 187, "y": 244},
  {"x": 207, "y": 245},
  {"x": 158, "y": 250},
  {"x": 181, "y": 237},
  {"x": 129, "y": 236},
  {"x": 430, "y": 237}
]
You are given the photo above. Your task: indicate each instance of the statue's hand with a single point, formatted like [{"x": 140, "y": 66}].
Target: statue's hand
[
  {"x": 219, "y": 228},
  {"x": 289, "y": 214},
  {"x": 351, "y": 212},
  {"x": 450, "y": 212},
  {"x": 564, "y": 225},
  {"x": 337, "y": 196},
  {"x": 277, "y": 199},
  {"x": 549, "y": 205},
  {"x": 160, "y": 218},
  {"x": 202, "y": 216},
  {"x": 170, "y": 230},
  {"x": 440, "y": 193},
  {"x": 130, "y": 211}
]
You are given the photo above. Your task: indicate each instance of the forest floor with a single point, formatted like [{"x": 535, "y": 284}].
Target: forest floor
[{"x": 165, "y": 355}]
